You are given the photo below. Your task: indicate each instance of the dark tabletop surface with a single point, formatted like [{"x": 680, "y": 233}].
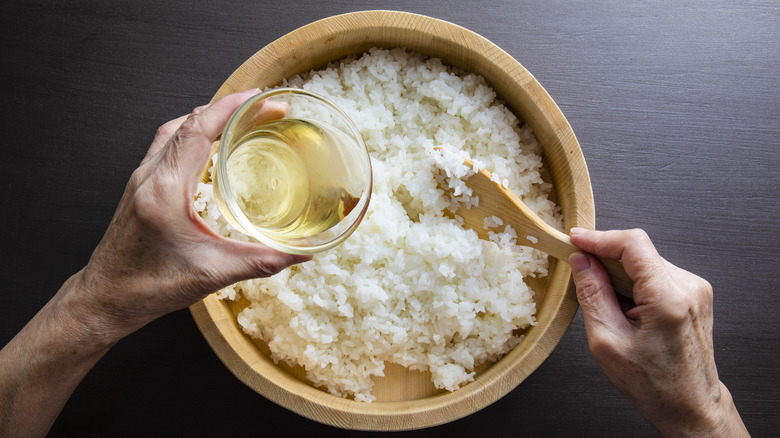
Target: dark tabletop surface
[{"x": 676, "y": 106}]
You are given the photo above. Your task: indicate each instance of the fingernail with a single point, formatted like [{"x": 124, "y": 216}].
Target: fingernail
[
  {"x": 579, "y": 262},
  {"x": 577, "y": 230}
]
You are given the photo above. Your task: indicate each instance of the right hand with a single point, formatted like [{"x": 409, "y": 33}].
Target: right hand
[{"x": 658, "y": 352}]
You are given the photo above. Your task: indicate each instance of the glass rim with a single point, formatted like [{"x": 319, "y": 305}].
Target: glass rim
[{"x": 229, "y": 197}]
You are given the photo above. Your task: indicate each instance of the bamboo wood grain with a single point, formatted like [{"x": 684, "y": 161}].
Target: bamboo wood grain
[
  {"x": 404, "y": 400},
  {"x": 496, "y": 200}
]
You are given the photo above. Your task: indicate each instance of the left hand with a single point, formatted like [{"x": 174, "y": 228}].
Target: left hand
[{"x": 157, "y": 255}]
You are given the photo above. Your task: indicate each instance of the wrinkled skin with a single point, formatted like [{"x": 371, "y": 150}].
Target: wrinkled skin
[
  {"x": 657, "y": 350},
  {"x": 156, "y": 256}
]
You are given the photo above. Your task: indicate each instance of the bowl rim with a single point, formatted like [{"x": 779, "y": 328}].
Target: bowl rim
[{"x": 218, "y": 325}]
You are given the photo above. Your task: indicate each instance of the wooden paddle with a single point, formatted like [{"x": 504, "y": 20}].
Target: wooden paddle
[{"x": 496, "y": 200}]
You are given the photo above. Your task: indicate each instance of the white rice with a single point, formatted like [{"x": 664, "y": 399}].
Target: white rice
[
  {"x": 410, "y": 286},
  {"x": 492, "y": 222}
]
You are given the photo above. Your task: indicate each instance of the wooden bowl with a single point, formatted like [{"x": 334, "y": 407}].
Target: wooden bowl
[{"x": 406, "y": 399}]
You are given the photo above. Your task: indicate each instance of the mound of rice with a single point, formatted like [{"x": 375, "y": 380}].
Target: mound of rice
[{"x": 410, "y": 286}]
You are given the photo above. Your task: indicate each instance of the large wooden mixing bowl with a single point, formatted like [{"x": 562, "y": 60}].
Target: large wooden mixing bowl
[{"x": 406, "y": 399}]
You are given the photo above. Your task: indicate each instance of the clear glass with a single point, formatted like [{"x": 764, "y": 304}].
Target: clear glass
[{"x": 293, "y": 172}]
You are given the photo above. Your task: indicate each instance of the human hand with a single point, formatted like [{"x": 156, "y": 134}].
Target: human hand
[
  {"x": 157, "y": 255},
  {"x": 658, "y": 350}
]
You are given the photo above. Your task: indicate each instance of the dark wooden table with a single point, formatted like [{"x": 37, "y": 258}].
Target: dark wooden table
[{"x": 676, "y": 106}]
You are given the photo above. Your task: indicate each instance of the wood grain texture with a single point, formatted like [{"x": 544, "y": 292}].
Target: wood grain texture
[
  {"x": 675, "y": 106},
  {"x": 329, "y": 40},
  {"x": 497, "y": 201}
]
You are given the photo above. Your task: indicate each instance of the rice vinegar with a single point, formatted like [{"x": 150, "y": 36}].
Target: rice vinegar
[{"x": 287, "y": 179}]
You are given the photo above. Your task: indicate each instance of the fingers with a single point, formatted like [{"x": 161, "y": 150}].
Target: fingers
[
  {"x": 208, "y": 128},
  {"x": 186, "y": 151},
  {"x": 162, "y": 136},
  {"x": 613, "y": 244},
  {"x": 240, "y": 261},
  {"x": 210, "y": 120},
  {"x": 639, "y": 257},
  {"x": 600, "y": 306},
  {"x": 190, "y": 146},
  {"x": 234, "y": 260},
  {"x": 271, "y": 110}
]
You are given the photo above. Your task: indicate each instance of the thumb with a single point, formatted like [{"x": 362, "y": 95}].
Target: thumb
[{"x": 600, "y": 307}]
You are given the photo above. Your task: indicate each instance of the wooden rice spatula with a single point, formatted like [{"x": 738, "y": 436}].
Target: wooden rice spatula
[{"x": 496, "y": 200}]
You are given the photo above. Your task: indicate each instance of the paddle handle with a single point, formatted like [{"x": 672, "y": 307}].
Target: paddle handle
[
  {"x": 559, "y": 246},
  {"x": 497, "y": 200}
]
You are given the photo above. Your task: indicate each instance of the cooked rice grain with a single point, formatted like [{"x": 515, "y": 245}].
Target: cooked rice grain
[{"x": 410, "y": 286}]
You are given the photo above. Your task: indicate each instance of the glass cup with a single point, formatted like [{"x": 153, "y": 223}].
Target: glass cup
[{"x": 292, "y": 172}]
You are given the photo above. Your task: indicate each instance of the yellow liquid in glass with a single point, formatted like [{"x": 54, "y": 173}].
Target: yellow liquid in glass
[{"x": 287, "y": 179}]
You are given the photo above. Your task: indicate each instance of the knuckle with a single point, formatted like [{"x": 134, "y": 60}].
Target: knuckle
[
  {"x": 136, "y": 178},
  {"x": 588, "y": 288},
  {"x": 638, "y": 236},
  {"x": 167, "y": 130},
  {"x": 146, "y": 207},
  {"x": 602, "y": 347},
  {"x": 178, "y": 137},
  {"x": 704, "y": 288},
  {"x": 164, "y": 131},
  {"x": 682, "y": 307},
  {"x": 197, "y": 110},
  {"x": 680, "y": 311},
  {"x": 172, "y": 155},
  {"x": 703, "y": 295},
  {"x": 151, "y": 204},
  {"x": 694, "y": 295},
  {"x": 191, "y": 126}
]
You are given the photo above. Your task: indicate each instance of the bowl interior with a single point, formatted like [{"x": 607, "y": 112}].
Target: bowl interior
[{"x": 406, "y": 399}]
